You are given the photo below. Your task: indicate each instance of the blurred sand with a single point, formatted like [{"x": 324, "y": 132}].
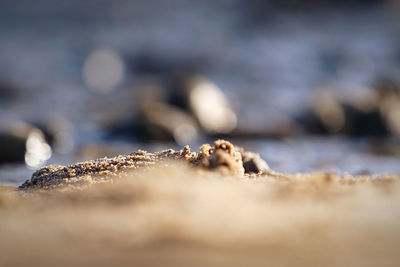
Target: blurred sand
[{"x": 176, "y": 215}]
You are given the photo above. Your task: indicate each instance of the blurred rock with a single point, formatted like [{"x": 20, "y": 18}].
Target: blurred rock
[
  {"x": 177, "y": 107},
  {"x": 376, "y": 115},
  {"x": 331, "y": 116},
  {"x": 330, "y": 112},
  {"x": 388, "y": 103},
  {"x": 205, "y": 101},
  {"x": 22, "y": 142},
  {"x": 326, "y": 115},
  {"x": 232, "y": 159},
  {"x": 364, "y": 123},
  {"x": 161, "y": 121},
  {"x": 13, "y": 148}
]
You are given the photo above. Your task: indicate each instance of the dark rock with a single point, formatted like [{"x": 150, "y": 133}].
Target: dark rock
[
  {"x": 12, "y": 148},
  {"x": 388, "y": 103},
  {"x": 205, "y": 101},
  {"x": 325, "y": 116},
  {"x": 364, "y": 123},
  {"x": 164, "y": 122},
  {"x": 330, "y": 115},
  {"x": 22, "y": 142},
  {"x": 253, "y": 163},
  {"x": 178, "y": 109}
]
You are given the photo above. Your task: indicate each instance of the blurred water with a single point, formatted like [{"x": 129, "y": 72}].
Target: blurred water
[
  {"x": 270, "y": 65},
  {"x": 277, "y": 65}
]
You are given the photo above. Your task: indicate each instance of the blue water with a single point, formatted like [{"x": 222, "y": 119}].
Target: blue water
[{"x": 269, "y": 67}]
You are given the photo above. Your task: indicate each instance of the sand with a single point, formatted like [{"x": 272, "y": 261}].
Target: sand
[
  {"x": 223, "y": 157},
  {"x": 200, "y": 211}
]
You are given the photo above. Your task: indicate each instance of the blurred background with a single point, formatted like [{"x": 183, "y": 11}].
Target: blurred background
[{"x": 310, "y": 85}]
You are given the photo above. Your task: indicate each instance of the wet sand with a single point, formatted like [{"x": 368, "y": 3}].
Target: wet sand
[{"x": 179, "y": 213}]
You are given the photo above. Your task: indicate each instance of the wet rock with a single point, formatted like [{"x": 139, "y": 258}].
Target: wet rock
[
  {"x": 359, "y": 118},
  {"x": 12, "y": 147},
  {"x": 364, "y": 123},
  {"x": 178, "y": 108},
  {"x": 205, "y": 101},
  {"x": 388, "y": 104},
  {"x": 160, "y": 121},
  {"x": 22, "y": 142},
  {"x": 326, "y": 115}
]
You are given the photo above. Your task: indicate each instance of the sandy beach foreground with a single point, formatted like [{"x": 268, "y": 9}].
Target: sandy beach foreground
[{"x": 198, "y": 211}]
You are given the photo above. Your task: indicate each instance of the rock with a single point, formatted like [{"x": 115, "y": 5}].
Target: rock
[
  {"x": 253, "y": 163},
  {"x": 223, "y": 157},
  {"x": 178, "y": 107},
  {"x": 364, "y": 123},
  {"x": 22, "y": 142},
  {"x": 205, "y": 101},
  {"x": 161, "y": 121},
  {"x": 326, "y": 115},
  {"x": 388, "y": 104},
  {"x": 12, "y": 147},
  {"x": 157, "y": 121},
  {"x": 359, "y": 118}
]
